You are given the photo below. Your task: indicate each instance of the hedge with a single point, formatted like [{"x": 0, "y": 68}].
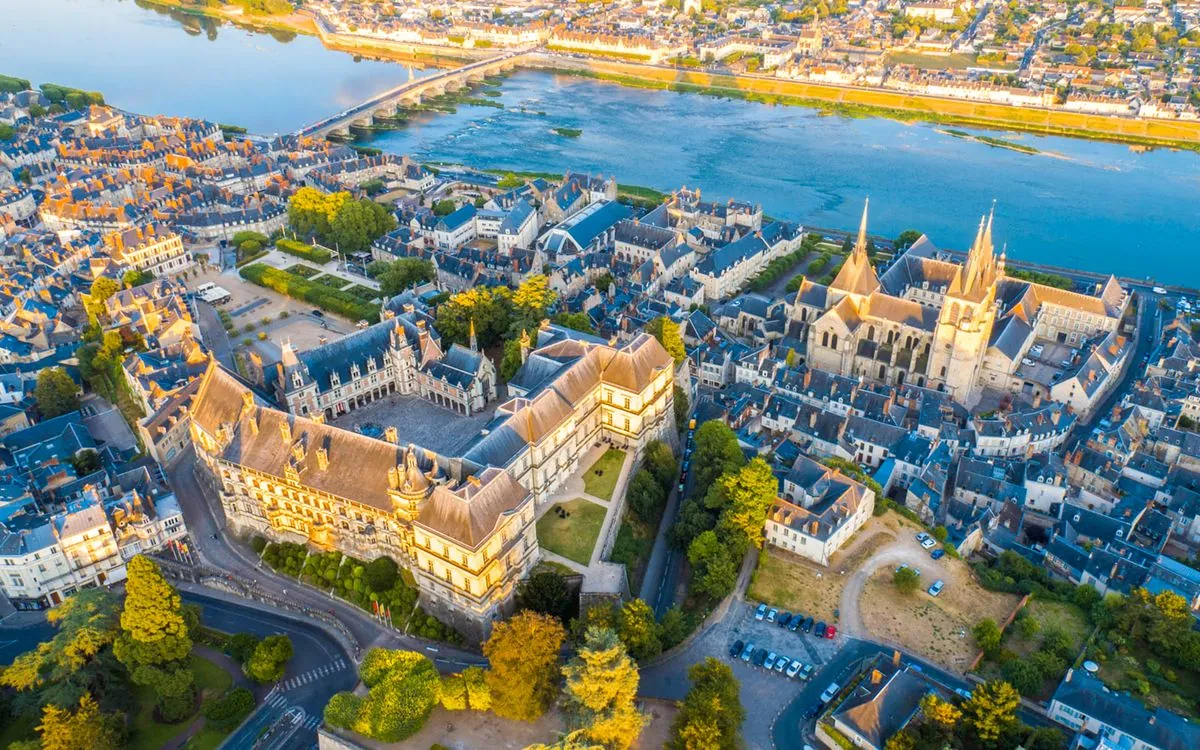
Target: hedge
[
  {"x": 229, "y": 710},
  {"x": 297, "y": 287},
  {"x": 306, "y": 251}
]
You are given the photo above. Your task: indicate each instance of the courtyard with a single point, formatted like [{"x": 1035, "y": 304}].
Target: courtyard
[
  {"x": 570, "y": 529},
  {"x": 417, "y": 421}
]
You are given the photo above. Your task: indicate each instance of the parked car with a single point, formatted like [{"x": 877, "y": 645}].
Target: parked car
[
  {"x": 793, "y": 668},
  {"x": 735, "y": 650},
  {"x": 806, "y": 672},
  {"x": 808, "y": 625},
  {"x": 830, "y": 692},
  {"x": 901, "y": 567},
  {"x": 747, "y": 652},
  {"x": 917, "y": 571},
  {"x": 769, "y": 662},
  {"x": 316, "y": 313},
  {"x": 922, "y": 536},
  {"x": 831, "y": 631},
  {"x": 760, "y": 612},
  {"x": 1159, "y": 290},
  {"x": 820, "y": 633},
  {"x": 782, "y": 663},
  {"x": 784, "y": 619},
  {"x": 963, "y": 693},
  {"x": 938, "y": 554},
  {"x": 929, "y": 543},
  {"x": 797, "y": 621},
  {"x": 759, "y": 656},
  {"x": 772, "y": 613},
  {"x": 937, "y": 587}
]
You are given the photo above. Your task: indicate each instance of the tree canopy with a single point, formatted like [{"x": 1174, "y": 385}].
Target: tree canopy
[
  {"x": 524, "y": 656},
  {"x": 667, "y": 332},
  {"x": 546, "y": 591},
  {"x": 337, "y": 219},
  {"x": 601, "y": 691},
  {"x": 55, "y": 393},
  {"x": 269, "y": 659},
  {"x": 398, "y": 275},
  {"x": 711, "y": 715}
]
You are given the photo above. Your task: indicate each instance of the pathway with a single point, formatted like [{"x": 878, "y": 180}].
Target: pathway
[
  {"x": 904, "y": 549},
  {"x": 239, "y": 680}
]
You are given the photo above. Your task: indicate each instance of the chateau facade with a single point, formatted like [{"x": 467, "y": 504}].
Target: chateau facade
[
  {"x": 463, "y": 525},
  {"x": 959, "y": 328}
]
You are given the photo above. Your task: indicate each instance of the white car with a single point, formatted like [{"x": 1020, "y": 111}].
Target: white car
[
  {"x": 793, "y": 668},
  {"x": 830, "y": 691},
  {"x": 1159, "y": 290},
  {"x": 937, "y": 587},
  {"x": 929, "y": 543}
]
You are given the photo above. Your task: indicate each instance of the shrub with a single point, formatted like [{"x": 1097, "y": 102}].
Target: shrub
[
  {"x": 297, "y": 287},
  {"x": 230, "y": 709},
  {"x": 262, "y": 335},
  {"x": 906, "y": 580},
  {"x": 241, "y": 646},
  {"x": 318, "y": 255},
  {"x": 342, "y": 710},
  {"x": 454, "y": 692},
  {"x": 479, "y": 695},
  {"x": 258, "y": 544}
]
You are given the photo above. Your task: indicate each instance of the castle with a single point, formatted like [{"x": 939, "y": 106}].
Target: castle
[
  {"x": 961, "y": 328},
  {"x": 464, "y": 525}
]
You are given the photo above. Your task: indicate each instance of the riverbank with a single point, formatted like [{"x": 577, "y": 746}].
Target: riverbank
[
  {"x": 645, "y": 196},
  {"x": 867, "y": 102}
]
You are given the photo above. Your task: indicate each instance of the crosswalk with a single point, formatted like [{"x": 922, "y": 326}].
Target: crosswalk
[{"x": 308, "y": 677}]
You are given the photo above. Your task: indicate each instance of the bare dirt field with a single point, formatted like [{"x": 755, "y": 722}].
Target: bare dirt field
[
  {"x": 936, "y": 628},
  {"x": 790, "y": 582}
]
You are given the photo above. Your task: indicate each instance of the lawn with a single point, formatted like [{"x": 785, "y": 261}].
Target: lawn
[
  {"x": 792, "y": 583},
  {"x": 1062, "y": 616},
  {"x": 600, "y": 480},
  {"x": 333, "y": 282},
  {"x": 932, "y": 62},
  {"x": 147, "y": 733},
  {"x": 365, "y": 292},
  {"x": 632, "y": 547},
  {"x": 572, "y": 537},
  {"x": 302, "y": 270}
]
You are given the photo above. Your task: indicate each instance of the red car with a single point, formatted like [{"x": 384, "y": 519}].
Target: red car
[{"x": 830, "y": 631}]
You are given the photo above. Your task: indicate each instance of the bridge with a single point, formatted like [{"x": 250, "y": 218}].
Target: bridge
[{"x": 409, "y": 94}]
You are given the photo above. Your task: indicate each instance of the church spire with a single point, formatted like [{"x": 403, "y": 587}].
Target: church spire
[
  {"x": 474, "y": 343},
  {"x": 858, "y": 275},
  {"x": 860, "y": 245}
]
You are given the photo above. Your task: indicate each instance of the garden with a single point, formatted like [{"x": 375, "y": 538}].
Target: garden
[
  {"x": 318, "y": 255},
  {"x": 297, "y": 287},
  {"x": 570, "y": 529},
  {"x": 600, "y": 480}
]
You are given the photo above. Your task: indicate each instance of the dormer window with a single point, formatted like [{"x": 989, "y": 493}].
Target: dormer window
[
  {"x": 297, "y": 381},
  {"x": 354, "y": 371}
]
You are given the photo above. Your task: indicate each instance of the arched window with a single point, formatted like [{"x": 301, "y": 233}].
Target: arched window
[
  {"x": 835, "y": 341},
  {"x": 825, "y": 338},
  {"x": 871, "y": 333},
  {"x": 882, "y": 372}
]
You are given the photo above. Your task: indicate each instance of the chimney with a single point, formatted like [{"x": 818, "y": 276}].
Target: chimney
[
  {"x": 895, "y": 658},
  {"x": 876, "y": 677},
  {"x": 322, "y": 459},
  {"x": 285, "y": 430},
  {"x": 318, "y": 417},
  {"x": 391, "y": 435},
  {"x": 1037, "y": 399},
  {"x": 812, "y": 418},
  {"x": 394, "y": 477}
]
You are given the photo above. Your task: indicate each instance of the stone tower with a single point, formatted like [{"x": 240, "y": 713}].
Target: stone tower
[{"x": 965, "y": 323}]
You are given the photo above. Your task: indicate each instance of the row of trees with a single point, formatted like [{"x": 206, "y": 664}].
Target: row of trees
[
  {"x": 337, "y": 219},
  {"x": 297, "y": 287},
  {"x": 987, "y": 720},
  {"x": 398, "y": 275}
]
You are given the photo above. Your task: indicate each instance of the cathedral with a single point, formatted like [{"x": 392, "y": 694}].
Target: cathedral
[{"x": 958, "y": 327}]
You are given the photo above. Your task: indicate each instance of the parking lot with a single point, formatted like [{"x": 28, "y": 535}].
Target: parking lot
[{"x": 764, "y": 694}]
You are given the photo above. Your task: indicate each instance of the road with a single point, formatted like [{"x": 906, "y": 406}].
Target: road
[
  {"x": 214, "y": 335},
  {"x": 206, "y": 522},
  {"x": 319, "y": 668}
]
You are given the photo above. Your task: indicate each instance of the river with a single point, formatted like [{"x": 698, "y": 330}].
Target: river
[{"x": 1087, "y": 204}]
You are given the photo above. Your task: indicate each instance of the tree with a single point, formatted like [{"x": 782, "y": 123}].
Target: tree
[
  {"x": 134, "y": 277},
  {"x": 680, "y": 406},
  {"x": 646, "y": 496},
  {"x": 356, "y": 224},
  {"x": 154, "y": 643},
  {"x": 992, "y": 710},
  {"x": 712, "y": 701},
  {"x": 404, "y": 687},
  {"x": 940, "y": 533},
  {"x": 102, "y": 288},
  {"x": 510, "y": 363},
  {"x": 1023, "y": 675},
  {"x": 396, "y": 276},
  {"x": 479, "y": 696},
  {"x": 269, "y": 659},
  {"x": 717, "y": 452},
  {"x": 380, "y": 574},
  {"x": 230, "y": 709},
  {"x": 454, "y": 693},
  {"x": 490, "y": 310},
  {"x": 987, "y": 635},
  {"x": 241, "y": 646},
  {"x": 575, "y": 321},
  {"x": 748, "y": 495},
  {"x": 942, "y": 713},
  {"x": 902, "y": 740},
  {"x": 55, "y": 393},
  {"x": 604, "y": 281},
  {"x": 667, "y": 332},
  {"x": 524, "y": 656},
  {"x": 531, "y": 300},
  {"x": 1045, "y": 738},
  {"x": 444, "y": 207},
  {"x": 906, "y": 238},
  {"x": 693, "y": 520},
  {"x": 509, "y": 181},
  {"x": 638, "y": 630},
  {"x": 601, "y": 691},
  {"x": 310, "y": 211},
  {"x": 714, "y": 570},
  {"x": 660, "y": 461},
  {"x": 546, "y": 591},
  {"x": 85, "y": 728},
  {"x": 906, "y": 580}
]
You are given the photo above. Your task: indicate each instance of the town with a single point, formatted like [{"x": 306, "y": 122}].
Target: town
[
  {"x": 1140, "y": 60},
  {"x": 769, "y": 484}
]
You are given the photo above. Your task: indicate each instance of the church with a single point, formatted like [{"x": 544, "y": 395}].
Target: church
[{"x": 961, "y": 328}]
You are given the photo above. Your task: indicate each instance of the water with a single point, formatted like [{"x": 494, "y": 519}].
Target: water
[
  {"x": 155, "y": 61},
  {"x": 1085, "y": 204}
]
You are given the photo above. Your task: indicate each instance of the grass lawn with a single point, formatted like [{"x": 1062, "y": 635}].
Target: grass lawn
[
  {"x": 149, "y": 734},
  {"x": 572, "y": 537},
  {"x": 602, "y": 477},
  {"x": 208, "y": 738},
  {"x": 366, "y": 292},
  {"x": 333, "y": 282},
  {"x": 1062, "y": 616},
  {"x": 632, "y": 547},
  {"x": 932, "y": 62},
  {"x": 553, "y": 567}
]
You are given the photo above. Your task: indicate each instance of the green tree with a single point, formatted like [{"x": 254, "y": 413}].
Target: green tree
[
  {"x": 479, "y": 695},
  {"x": 660, "y": 461},
  {"x": 906, "y": 238},
  {"x": 680, "y": 406},
  {"x": 713, "y": 701},
  {"x": 509, "y": 181},
  {"x": 380, "y": 574},
  {"x": 601, "y": 692},
  {"x": 748, "y": 496},
  {"x": 546, "y": 591},
  {"x": 575, "y": 321},
  {"x": 639, "y": 631},
  {"x": 510, "y": 363},
  {"x": 991, "y": 711},
  {"x": 396, "y": 276},
  {"x": 906, "y": 580},
  {"x": 134, "y": 277},
  {"x": 102, "y": 288},
  {"x": 987, "y": 635},
  {"x": 444, "y": 207},
  {"x": 1045, "y": 738},
  {"x": 356, "y": 224},
  {"x": 229, "y": 710},
  {"x": 716, "y": 452},
  {"x": 490, "y": 309},
  {"x": 269, "y": 659},
  {"x": 940, "y": 533},
  {"x": 55, "y": 393},
  {"x": 667, "y": 332},
  {"x": 524, "y": 656},
  {"x": 154, "y": 642},
  {"x": 1023, "y": 675},
  {"x": 714, "y": 571},
  {"x": 404, "y": 687},
  {"x": 646, "y": 496}
]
